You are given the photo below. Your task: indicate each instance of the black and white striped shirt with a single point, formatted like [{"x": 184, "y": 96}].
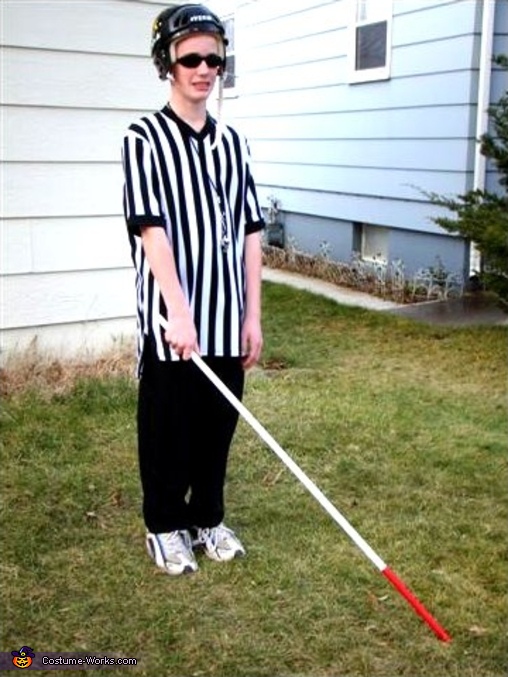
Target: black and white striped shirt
[{"x": 201, "y": 194}]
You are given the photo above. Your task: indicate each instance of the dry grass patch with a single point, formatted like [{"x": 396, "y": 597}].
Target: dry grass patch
[{"x": 44, "y": 373}]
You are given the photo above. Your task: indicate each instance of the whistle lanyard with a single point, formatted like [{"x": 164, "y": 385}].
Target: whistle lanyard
[{"x": 220, "y": 206}]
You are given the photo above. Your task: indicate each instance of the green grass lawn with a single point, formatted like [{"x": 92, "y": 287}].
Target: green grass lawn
[{"x": 403, "y": 427}]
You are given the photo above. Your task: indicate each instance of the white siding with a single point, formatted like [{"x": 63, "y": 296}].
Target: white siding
[{"x": 73, "y": 76}]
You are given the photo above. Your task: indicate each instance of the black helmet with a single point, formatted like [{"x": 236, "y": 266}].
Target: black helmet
[{"x": 178, "y": 21}]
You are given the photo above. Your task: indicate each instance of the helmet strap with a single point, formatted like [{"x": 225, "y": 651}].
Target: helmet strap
[{"x": 218, "y": 126}]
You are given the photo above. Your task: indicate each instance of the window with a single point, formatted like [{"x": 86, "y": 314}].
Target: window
[
  {"x": 370, "y": 40},
  {"x": 374, "y": 243},
  {"x": 230, "y": 74}
]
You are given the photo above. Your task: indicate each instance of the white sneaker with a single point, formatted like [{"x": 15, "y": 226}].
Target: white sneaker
[
  {"x": 172, "y": 552},
  {"x": 219, "y": 543}
]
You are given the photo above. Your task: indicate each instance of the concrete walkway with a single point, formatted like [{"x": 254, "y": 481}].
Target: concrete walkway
[
  {"x": 342, "y": 295},
  {"x": 470, "y": 310}
]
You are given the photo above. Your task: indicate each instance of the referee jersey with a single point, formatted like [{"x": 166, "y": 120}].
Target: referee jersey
[{"x": 205, "y": 198}]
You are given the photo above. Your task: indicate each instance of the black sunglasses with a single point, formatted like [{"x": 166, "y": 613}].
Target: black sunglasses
[{"x": 194, "y": 60}]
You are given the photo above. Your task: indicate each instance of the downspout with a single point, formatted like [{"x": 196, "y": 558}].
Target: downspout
[{"x": 482, "y": 116}]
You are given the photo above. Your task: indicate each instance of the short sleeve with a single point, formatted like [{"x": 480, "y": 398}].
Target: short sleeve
[
  {"x": 254, "y": 220},
  {"x": 142, "y": 196}
]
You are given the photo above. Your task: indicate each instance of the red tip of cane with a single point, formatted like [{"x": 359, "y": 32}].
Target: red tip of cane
[{"x": 436, "y": 628}]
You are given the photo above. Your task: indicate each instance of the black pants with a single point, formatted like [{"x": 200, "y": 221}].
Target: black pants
[{"x": 185, "y": 428}]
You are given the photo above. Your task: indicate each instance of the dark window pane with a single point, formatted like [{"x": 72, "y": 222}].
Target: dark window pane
[
  {"x": 371, "y": 46},
  {"x": 229, "y": 75}
]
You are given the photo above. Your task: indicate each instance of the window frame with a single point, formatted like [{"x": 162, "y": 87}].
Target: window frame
[
  {"x": 230, "y": 91},
  {"x": 384, "y": 14}
]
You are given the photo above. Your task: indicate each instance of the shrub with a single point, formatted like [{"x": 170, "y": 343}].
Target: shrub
[{"x": 482, "y": 216}]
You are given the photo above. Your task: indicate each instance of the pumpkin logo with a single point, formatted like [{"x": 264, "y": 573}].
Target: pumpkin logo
[{"x": 23, "y": 657}]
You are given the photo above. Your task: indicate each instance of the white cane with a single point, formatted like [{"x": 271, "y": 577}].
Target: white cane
[
  {"x": 388, "y": 573},
  {"x": 438, "y": 630}
]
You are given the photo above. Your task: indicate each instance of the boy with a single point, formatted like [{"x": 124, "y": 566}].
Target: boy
[{"x": 194, "y": 225}]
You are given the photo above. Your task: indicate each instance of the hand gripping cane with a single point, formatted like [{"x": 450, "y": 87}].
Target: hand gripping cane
[{"x": 438, "y": 630}]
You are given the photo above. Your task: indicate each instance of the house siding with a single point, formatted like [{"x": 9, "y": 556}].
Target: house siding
[
  {"x": 361, "y": 153},
  {"x": 336, "y": 154},
  {"x": 72, "y": 80}
]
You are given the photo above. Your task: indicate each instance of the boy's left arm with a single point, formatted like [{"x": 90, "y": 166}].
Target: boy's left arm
[{"x": 252, "y": 336}]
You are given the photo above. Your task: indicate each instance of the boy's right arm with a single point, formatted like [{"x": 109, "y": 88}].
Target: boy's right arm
[{"x": 181, "y": 332}]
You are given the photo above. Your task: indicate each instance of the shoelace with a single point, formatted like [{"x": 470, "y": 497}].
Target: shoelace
[
  {"x": 214, "y": 534},
  {"x": 205, "y": 535},
  {"x": 178, "y": 539}
]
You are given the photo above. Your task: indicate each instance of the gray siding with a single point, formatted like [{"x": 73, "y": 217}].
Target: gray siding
[
  {"x": 312, "y": 131},
  {"x": 336, "y": 153}
]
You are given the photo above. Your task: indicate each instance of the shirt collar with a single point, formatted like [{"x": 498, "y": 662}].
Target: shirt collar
[{"x": 185, "y": 128}]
